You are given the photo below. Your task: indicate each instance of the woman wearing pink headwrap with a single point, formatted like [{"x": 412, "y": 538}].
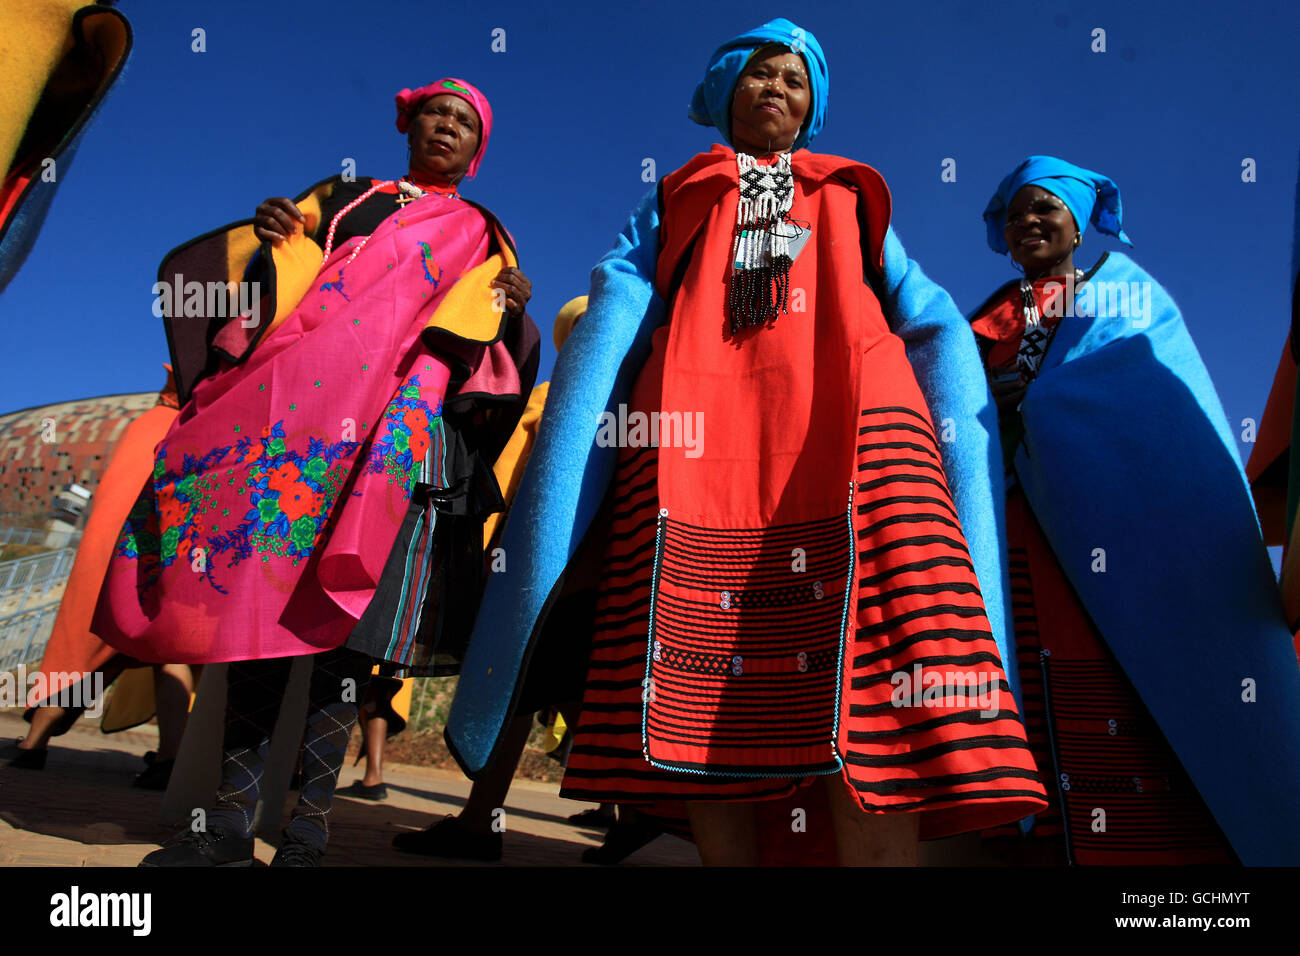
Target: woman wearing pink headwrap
[{"x": 323, "y": 490}]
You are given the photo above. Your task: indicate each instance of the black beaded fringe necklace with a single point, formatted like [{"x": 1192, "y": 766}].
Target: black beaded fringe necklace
[{"x": 760, "y": 274}]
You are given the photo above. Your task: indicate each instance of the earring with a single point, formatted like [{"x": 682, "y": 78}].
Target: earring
[{"x": 1078, "y": 239}]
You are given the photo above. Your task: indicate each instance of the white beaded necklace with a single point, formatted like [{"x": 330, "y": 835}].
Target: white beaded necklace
[
  {"x": 406, "y": 188},
  {"x": 760, "y": 272}
]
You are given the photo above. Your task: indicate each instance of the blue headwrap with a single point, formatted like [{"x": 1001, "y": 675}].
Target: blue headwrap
[
  {"x": 1090, "y": 197},
  {"x": 711, "y": 104}
]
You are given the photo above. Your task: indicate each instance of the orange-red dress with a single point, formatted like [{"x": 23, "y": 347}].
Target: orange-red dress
[
  {"x": 770, "y": 592},
  {"x": 73, "y": 652}
]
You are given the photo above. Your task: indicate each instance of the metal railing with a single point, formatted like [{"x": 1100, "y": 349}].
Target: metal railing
[
  {"x": 35, "y": 570},
  {"x": 49, "y": 539},
  {"x": 24, "y": 631},
  {"x": 24, "y": 634}
]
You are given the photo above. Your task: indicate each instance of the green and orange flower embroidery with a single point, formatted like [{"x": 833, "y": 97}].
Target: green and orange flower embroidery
[
  {"x": 290, "y": 493},
  {"x": 409, "y": 427}
]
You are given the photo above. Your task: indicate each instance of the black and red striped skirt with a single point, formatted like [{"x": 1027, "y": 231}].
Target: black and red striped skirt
[{"x": 875, "y": 664}]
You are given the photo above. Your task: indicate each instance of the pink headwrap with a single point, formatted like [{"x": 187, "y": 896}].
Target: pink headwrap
[{"x": 409, "y": 100}]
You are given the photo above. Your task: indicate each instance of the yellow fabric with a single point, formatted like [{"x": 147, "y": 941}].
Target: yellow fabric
[
  {"x": 468, "y": 310},
  {"x": 311, "y": 204},
  {"x": 241, "y": 246},
  {"x": 567, "y": 318},
  {"x": 554, "y": 733},
  {"x": 400, "y": 702},
  {"x": 37, "y": 34},
  {"x": 132, "y": 702},
  {"x": 297, "y": 262},
  {"x": 510, "y": 464}
]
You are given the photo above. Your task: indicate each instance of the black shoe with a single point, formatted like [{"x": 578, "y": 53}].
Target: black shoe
[
  {"x": 448, "y": 838},
  {"x": 598, "y": 818},
  {"x": 211, "y": 847},
  {"x": 156, "y": 777},
  {"x": 15, "y": 756},
  {"x": 623, "y": 839},
  {"x": 359, "y": 790},
  {"x": 296, "y": 852}
]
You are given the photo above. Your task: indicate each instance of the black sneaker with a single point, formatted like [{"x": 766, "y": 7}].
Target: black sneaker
[
  {"x": 295, "y": 852},
  {"x": 156, "y": 776},
  {"x": 211, "y": 847},
  {"x": 15, "y": 756},
  {"x": 624, "y": 838},
  {"x": 597, "y": 818},
  {"x": 448, "y": 838},
  {"x": 359, "y": 790}
]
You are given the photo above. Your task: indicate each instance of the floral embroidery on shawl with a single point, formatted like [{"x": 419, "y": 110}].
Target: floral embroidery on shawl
[
  {"x": 409, "y": 425},
  {"x": 334, "y": 283},
  {"x": 426, "y": 259},
  {"x": 290, "y": 492}
]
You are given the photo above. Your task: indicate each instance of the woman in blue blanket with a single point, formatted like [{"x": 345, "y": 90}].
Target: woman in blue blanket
[
  {"x": 1161, "y": 694},
  {"x": 788, "y": 565}
]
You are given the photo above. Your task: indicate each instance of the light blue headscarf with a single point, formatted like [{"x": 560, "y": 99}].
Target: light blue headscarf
[
  {"x": 711, "y": 105},
  {"x": 1090, "y": 197}
]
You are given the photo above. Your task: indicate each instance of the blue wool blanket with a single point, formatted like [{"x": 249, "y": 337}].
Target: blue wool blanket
[{"x": 1131, "y": 469}]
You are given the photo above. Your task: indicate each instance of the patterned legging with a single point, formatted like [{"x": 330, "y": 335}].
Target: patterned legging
[{"x": 254, "y": 692}]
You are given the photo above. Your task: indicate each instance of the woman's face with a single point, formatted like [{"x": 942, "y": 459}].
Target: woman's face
[
  {"x": 443, "y": 136},
  {"x": 771, "y": 102},
  {"x": 1040, "y": 229}
]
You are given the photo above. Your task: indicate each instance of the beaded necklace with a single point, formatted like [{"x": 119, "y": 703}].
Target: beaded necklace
[
  {"x": 408, "y": 193},
  {"x": 1034, "y": 341},
  {"x": 761, "y": 247}
]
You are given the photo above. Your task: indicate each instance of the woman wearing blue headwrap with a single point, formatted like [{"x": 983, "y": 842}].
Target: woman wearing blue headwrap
[
  {"x": 787, "y": 556},
  {"x": 1146, "y": 622}
]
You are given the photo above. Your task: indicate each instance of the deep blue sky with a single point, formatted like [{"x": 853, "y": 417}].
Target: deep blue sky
[{"x": 586, "y": 91}]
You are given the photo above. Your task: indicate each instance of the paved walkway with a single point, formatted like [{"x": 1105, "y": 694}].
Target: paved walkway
[{"x": 81, "y": 810}]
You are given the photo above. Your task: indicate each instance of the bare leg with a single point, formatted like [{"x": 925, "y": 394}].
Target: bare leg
[
  {"x": 489, "y": 791},
  {"x": 173, "y": 684},
  {"x": 870, "y": 839},
  {"x": 376, "y": 731},
  {"x": 726, "y": 834},
  {"x": 43, "y": 721}
]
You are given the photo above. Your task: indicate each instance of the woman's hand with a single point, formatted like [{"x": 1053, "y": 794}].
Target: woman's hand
[
  {"x": 517, "y": 288},
  {"x": 276, "y": 219}
]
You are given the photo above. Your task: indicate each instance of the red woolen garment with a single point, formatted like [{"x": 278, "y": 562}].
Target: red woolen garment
[
  {"x": 799, "y": 563},
  {"x": 73, "y": 651}
]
